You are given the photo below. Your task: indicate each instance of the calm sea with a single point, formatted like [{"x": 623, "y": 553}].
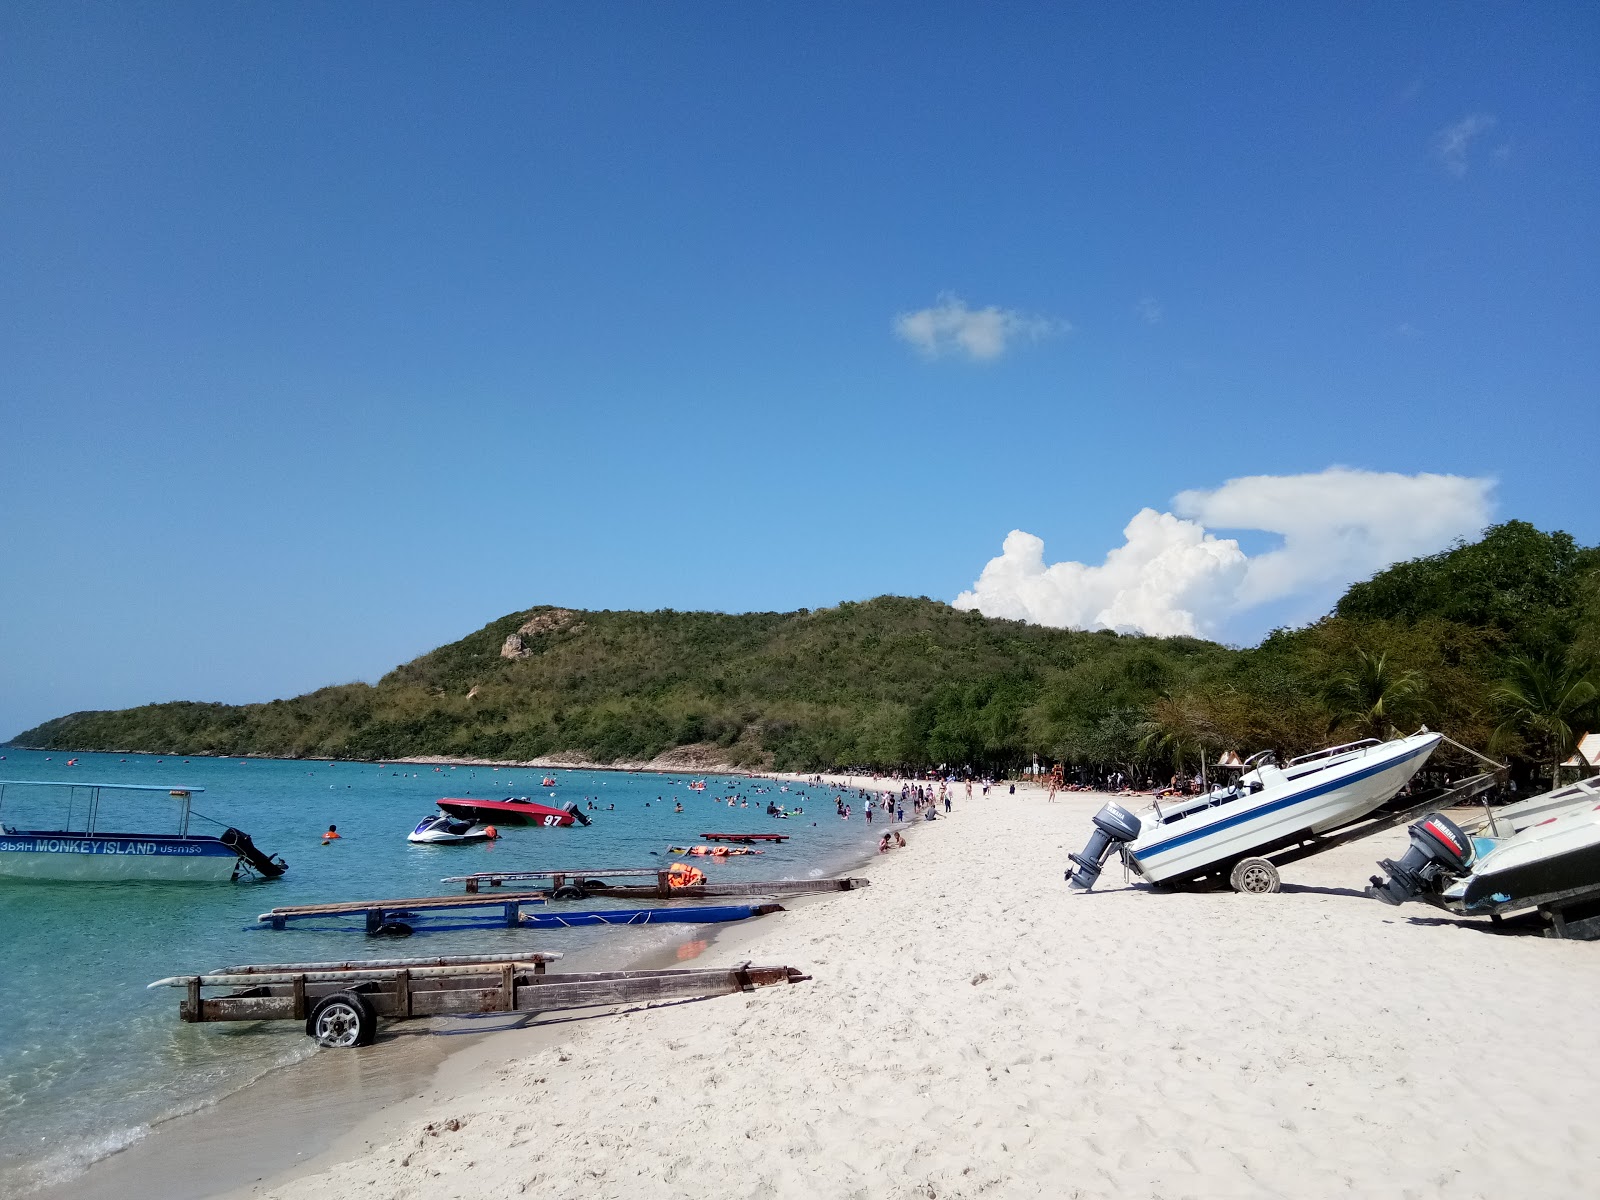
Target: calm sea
[{"x": 89, "y": 1057}]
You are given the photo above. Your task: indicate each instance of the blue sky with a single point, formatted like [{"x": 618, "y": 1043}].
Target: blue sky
[{"x": 331, "y": 332}]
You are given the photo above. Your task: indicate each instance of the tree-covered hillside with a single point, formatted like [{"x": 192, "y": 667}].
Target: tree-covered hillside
[{"x": 1493, "y": 642}]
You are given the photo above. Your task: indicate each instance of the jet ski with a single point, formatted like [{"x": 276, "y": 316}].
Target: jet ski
[{"x": 441, "y": 829}]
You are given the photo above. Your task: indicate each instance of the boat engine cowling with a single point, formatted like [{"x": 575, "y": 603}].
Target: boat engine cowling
[
  {"x": 578, "y": 814},
  {"x": 1113, "y": 826},
  {"x": 1439, "y": 852}
]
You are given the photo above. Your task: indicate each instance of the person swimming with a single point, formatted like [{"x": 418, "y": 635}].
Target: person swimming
[{"x": 331, "y": 836}]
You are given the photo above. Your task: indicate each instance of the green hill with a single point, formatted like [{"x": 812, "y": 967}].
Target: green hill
[{"x": 903, "y": 682}]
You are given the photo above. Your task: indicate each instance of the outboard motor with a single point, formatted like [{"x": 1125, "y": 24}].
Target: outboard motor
[
  {"x": 269, "y": 867},
  {"x": 1439, "y": 852},
  {"x": 571, "y": 806},
  {"x": 1114, "y": 826}
]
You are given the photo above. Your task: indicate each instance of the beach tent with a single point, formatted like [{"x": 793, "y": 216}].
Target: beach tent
[{"x": 1587, "y": 756}]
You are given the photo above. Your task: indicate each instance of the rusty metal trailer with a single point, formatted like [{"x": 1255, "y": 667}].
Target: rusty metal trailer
[{"x": 340, "y": 1002}]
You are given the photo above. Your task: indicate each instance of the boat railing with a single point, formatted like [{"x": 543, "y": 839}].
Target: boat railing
[{"x": 1332, "y": 751}]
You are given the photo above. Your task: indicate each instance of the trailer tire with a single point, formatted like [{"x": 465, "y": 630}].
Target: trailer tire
[
  {"x": 1254, "y": 877},
  {"x": 343, "y": 1021},
  {"x": 567, "y": 893}
]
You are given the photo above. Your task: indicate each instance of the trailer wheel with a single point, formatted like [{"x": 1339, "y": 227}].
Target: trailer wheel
[
  {"x": 1254, "y": 876},
  {"x": 343, "y": 1020},
  {"x": 567, "y": 893}
]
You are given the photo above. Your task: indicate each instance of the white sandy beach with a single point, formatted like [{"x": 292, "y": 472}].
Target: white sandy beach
[{"x": 973, "y": 1029}]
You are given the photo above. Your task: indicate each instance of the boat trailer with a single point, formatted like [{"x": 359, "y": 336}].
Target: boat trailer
[
  {"x": 340, "y": 1002},
  {"x": 1573, "y": 914},
  {"x": 399, "y": 918},
  {"x": 574, "y": 884},
  {"x": 1258, "y": 872}
]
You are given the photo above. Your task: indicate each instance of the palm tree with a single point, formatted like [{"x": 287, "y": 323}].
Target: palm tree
[
  {"x": 1177, "y": 730},
  {"x": 1369, "y": 695},
  {"x": 1542, "y": 700}
]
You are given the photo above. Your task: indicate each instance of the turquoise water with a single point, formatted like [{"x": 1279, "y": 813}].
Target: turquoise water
[{"x": 89, "y": 1057}]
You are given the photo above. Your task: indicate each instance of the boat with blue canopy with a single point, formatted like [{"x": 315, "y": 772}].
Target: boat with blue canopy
[{"x": 87, "y": 845}]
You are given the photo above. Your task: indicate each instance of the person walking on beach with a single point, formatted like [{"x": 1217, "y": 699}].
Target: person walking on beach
[
  {"x": 900, "y": 813},
  {"x": 947, "y": 802}
]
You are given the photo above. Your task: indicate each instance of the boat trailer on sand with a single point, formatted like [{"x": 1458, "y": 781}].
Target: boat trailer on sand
[
  {"x": 1258, "y": 872},
  {"x": 340, "y": 1002}
]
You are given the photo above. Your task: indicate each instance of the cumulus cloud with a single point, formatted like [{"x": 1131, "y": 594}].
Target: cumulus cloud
[
  {"x": 1173, "y": 576},
  {"x": 1453, "y": 142},
  {"x": 950, "y": 327}
]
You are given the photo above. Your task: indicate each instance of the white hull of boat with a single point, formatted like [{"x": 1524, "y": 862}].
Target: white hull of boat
[
  {"x": 1556, "y": 848},
  {"x": 1296, "y": 800},
  {"x": 114, "y": 858}
]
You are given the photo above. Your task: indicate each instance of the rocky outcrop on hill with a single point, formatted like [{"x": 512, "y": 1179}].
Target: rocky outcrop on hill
[{"x": 549, "y": 620}]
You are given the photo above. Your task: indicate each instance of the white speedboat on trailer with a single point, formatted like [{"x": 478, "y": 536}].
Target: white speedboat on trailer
[
  {"x": 1541, "y": 853},
  {"x": 1228, "y": 830},
  {"x": 81, "y": 849}
]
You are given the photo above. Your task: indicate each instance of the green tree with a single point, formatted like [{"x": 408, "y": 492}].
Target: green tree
[
  {"x": 1370, "y": 695},
  {"x": 1545, "y": 701}
]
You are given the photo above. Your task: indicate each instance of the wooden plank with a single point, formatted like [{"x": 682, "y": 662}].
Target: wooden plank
[
  {"x": 290, "y": 911},
  {"x": 241, "y": 1008},
  {"x": 344, "y": 978},
  {"x": 457, "y": 1002},
  {"x": 512, "y": 987},
  {"x": 706, "y": 891},
  {"x": 369, "y": 964},
  {"x": 495, "y": 878}
]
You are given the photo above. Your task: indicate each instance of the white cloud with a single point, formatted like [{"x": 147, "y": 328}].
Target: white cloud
[
  {"x": 1166, "y": 573},
  {"x": 1453, "y": 142},
  {"x": 979, "y": 333},
  {"x": 1172, "y": 576}
]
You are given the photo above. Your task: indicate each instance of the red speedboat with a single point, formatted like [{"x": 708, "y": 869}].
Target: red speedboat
[{"x": 513, "y": 810}]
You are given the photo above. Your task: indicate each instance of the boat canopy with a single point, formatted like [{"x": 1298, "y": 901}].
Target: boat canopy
[{"x": 180, "y": 792}]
